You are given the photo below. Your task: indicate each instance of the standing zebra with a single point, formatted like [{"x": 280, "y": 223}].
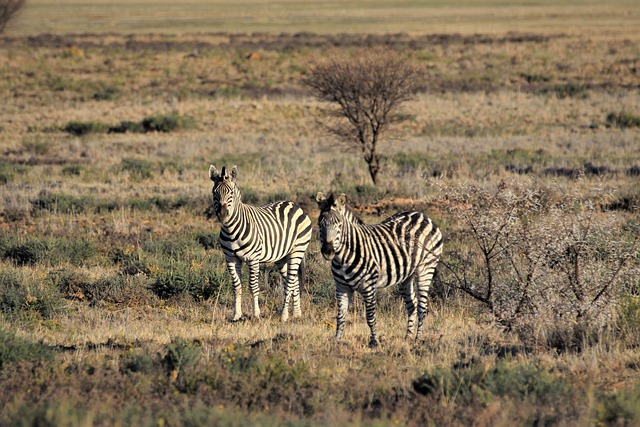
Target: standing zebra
[
  {"x": 278, "y": 232},
  {"x": 404, "y": 247}
]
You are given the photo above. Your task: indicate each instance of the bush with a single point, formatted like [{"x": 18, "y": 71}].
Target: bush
[
  {"x": 178, "y": 277},
  {"x": 137, "y": 362},
  {"x": 166, "y": 123},
  {"x": 408, "y": 163},
  {"x": 157, "y": 123},
  {"x": 79, "y": 128},
  {"x": 74, "y": 251},
  {"x": 181, "y": 355},
  {"x": 26, "y": 252},
  {"x": 360, "y": 195},
  {"x": 481, "y": 383},
  {"x": 550, "y": 270},
  {"x": 208, "y": 240},
  {"x": 14, "y": 349},
  {"x": 127, "y": 126},
  {"x": 139, "y": 169},
  {"x": 72, "y": 170},
  {"x": 623, "y": 119},
  {"x": 569, "y": 90},
  {"x": 19, "y": 293},
  {"x": 9, "y": 170},
  {"x": 61, "y": 203}
]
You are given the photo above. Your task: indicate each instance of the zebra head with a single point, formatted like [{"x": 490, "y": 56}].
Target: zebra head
[
  {"x": 331, "y": 220},
  {"x": 225, "y": 193}
]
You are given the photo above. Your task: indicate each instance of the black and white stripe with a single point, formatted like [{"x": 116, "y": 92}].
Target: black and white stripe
[
  {"x": 402, "y": 249},
  {"x": 278, "y": 232}
]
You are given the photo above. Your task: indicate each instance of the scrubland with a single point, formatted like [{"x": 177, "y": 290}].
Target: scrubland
[{"x": 115, "y": 305}]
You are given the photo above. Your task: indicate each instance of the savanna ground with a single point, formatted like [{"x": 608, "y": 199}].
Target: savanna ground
[{"x": 114, "y": 299}]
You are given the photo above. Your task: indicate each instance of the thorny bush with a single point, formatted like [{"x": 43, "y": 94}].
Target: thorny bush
[{"x": 549, "y": 266}]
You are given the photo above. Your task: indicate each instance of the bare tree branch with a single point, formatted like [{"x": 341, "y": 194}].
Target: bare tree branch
[
  {"x": 368, "y": 90},
  {"x": 8, "y": 10}
]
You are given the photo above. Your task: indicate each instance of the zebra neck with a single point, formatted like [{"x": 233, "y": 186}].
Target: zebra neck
[
  {"x": 350, "y": 237},
  {"x": 239, "y": 217}
]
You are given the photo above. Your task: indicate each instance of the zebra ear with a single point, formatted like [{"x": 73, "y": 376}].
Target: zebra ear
[
  {"x": 213, "y": 173},
  {"x": 321, "y": 200},
  {"x": 234, "y": 173},
  {"x": 341, "y": 200}
]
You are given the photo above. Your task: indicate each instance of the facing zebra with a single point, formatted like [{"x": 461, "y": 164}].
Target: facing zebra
[
  {"x": 402, "y": 248},
  {"x": 278, "y": 232}
]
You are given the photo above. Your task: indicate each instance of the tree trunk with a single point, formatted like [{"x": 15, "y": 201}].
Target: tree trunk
[{"x": 374, "y": 168}]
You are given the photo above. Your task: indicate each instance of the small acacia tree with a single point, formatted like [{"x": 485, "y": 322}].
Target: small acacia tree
[
  {"x": 368, "y": 89},
  {"x": 8, "y": 9}
]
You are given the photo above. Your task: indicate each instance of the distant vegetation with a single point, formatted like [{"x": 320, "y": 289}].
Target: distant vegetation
[
  {"x": 157, "y": 123},
  {"x": 522, "y": 146}
]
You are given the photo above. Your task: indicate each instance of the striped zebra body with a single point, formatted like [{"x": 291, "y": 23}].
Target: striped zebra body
[
  {"x": 278, "y": 232},
  {"x": 403, "y": 249}
]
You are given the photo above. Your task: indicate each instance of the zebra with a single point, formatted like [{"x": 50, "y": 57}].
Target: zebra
[
  {"x": 401, "y": 249},
  {"x": 278, "y": 232}
]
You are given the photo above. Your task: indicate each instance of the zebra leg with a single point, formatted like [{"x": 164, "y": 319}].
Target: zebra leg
[
  {"x": 295, "y": 264},
  {"x": 282, "y": 267},
  {"x": 425, "y": 275},
  {"x": 254, "y": 272},
  {"x": 369, "y": 296},
  {"x": 410, "y": 303},
  {"x": 344, "y": 295},
  {"x": 235, "y": 270}
]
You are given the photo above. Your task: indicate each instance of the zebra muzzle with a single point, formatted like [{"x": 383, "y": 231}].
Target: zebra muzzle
[
  {"x": 327, "y": 251},
  {"x": 222, "y": 213}
]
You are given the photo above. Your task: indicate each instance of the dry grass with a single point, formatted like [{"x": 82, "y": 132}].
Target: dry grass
[
  {"x": 372, "y": 16},
  {"x": 497, "y": 108}
]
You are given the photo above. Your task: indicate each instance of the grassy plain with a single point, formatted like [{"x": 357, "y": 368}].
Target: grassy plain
[{"x": 114, "y": 299}]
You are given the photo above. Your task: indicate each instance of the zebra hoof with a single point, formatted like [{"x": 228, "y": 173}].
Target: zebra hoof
[{"x": 374, "y": 343}]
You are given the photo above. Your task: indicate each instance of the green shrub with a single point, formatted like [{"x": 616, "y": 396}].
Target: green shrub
[
  {"x": 481, "y": 383},
  {"x": 207, "y": 240},
  {"x": 138, "y": 169},
  {"x": 19, "y": 293},
  {"x": 7, "y": 172},
  {"x": 180, "y": 277},
  {"x": 412, "y": 162},
  {"x": 173, "y": 248},
  {"x": 628, "y": 323},
  {"x": 14, "y": 349},
  {"x": 623, "y": 119},
  {"x": 70, "y": 283},
  {"x": 181, "y": 355},
  {"x": 61, "y": 203},
  {"x": 166, "y": 123},
  {"x": 569, "y": 90},
  {"x": 127, "y": 126},
  {"x": 105, "y": 93},
  {"x": 49, "y": 250},
  {"x": 27, "y": 252},
  {"x": 36, "y": 145},
  {"x": 72, "y": 170},
  {"x": 119, "y": 289},
  {"x": 137, "y": 362},
  {"x": 79, "y": 128},
  {"x": 74, "y": 251},
  {"x": 619, "y": 407},
  {"x": 359, "y": 195}
]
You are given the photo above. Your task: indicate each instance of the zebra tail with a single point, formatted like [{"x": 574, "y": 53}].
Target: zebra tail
[{"x": 302, "y": 273}]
